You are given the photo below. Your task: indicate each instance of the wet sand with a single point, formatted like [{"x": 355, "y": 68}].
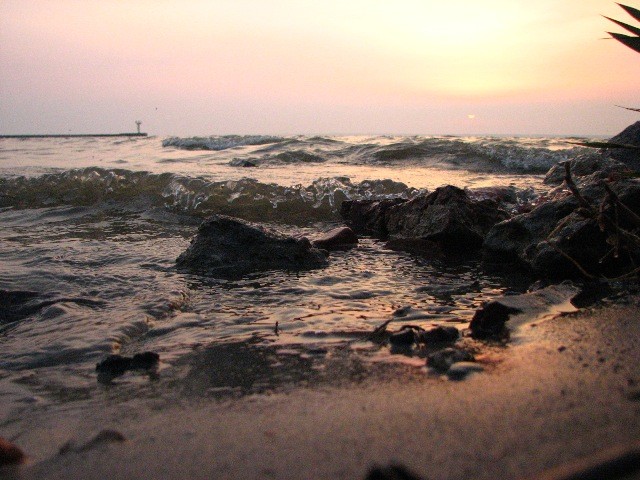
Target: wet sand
[{"x": 567, "y": 388}]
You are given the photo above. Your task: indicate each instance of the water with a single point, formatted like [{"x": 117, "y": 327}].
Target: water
[{"x": 90, "y": 229}]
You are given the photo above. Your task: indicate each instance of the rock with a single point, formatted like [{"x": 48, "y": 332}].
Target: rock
[
  {"x": 489, "y": 321},
  {"x": 242, "y": 163},
  {"x": 597, "y": 164},
  {"x": 442, "y": 360},
  {"x": 368, "y": 216},
  {"x": 404, "y": 338},
  {"x": 10, "y": 454},
  {"x": 145, "y": 361},
  {"x": 392, "y": 472},
  {"x": 338, "y": 238},
  {"x": 116, "y": 365},
  {"x": 629, "y": 136},
  {"x": 460, "y": 370},
  {"x": 446, "y": 216},
  {"x": 535, "y": 238},
  {"x": 228, "y": 247},
  {"x": 439, "y": 335},
  {"x": 524, "y": 309}
]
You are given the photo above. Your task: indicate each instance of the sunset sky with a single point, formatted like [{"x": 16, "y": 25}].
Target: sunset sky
[{"x": 299, "y": 66}]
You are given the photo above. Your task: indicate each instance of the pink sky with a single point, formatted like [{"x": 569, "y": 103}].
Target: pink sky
[{"x": 307, "y": 67}]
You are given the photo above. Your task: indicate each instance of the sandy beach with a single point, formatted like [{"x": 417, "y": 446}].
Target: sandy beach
[{"x": 566, "y": 389}]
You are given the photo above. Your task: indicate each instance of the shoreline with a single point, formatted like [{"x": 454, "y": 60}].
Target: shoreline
[{"x": 568, "y": 388}]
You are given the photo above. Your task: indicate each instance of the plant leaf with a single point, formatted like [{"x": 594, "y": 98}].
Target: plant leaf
[
  {"x": 629, "y": 108},
  {"x": 634, "y": 12},
  {"x": 606, "y": 145},
  {"x": 631, "y": 42},
  {"x": 626, "y": 26}
]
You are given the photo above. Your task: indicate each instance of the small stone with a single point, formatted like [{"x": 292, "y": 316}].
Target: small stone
[
  {"x": 114, "y": 365},
  {"x": 338, "y": 238},
  {"x": 392, "y": 472},
  {"x": 403, "y": 338},
  {"x": 402, "y": 311},
  {"x": 10, "y": 454},
  {"x": 489, "y": 321},
  {"x": 145, "y": 361},
  {"x": 460, "y": 370},
  {"x": 442, "y": 360},
  {"x": 439, "y": 335}
]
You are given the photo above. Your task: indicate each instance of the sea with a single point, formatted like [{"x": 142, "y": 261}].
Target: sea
[{"x": 90, "y": 229}]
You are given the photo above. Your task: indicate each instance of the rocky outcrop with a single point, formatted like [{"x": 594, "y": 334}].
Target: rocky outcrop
[
  {"x": 557, "y": 236},
  {"x": 446, "y": 217},
  {"x": 227, "y": 247},
  {"x": 588, "y": 167},
  {"x": 368, "y": 217},
  {"x": 629, "y": 136}
]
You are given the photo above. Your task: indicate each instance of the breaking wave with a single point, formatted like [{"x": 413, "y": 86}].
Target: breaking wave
[
  {"x": 245, "y": 198},
  {"x": 482, "y": 154},
  {"x": 219, "y": 142}
]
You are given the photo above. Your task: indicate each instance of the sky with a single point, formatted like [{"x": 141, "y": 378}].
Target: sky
[{"x": 219, "y": 67}]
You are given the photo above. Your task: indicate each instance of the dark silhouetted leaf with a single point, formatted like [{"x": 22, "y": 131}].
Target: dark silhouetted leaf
[
  {"x": 626, "y": 26},
  {"x": 606, "y": 145},
  {"x": 629, "y": 108},
  {"x": 634, "y": 12},
  {"x": 629, "y": 41}
]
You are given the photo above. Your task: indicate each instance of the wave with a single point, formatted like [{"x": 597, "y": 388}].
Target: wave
[
  {"x": 216, "y": 143},
  {"x": 287, "y": 157},
  {"x": 488, "y": 154},
  {"x": 245, "y": 198},
  {"x": 478, "y": 154}
]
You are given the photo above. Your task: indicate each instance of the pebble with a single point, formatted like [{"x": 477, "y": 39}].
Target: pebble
[
  {"x": 460, "y": 370},
  {"x": 439, "y": 334},
  {"x": 10, "y": 454},
  {"x": 403, "y": 337},
  {"x": 443, "y": 359}
]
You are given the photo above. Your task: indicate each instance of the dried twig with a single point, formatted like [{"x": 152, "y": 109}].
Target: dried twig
[
  {"x": 635, "y": 218},
  {"x": 574, "y": 189}
]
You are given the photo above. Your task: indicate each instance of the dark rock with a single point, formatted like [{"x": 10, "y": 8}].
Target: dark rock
[
  {"x": 629, "y": 136},
  {"x": 145, "y": 361},
  {"x": 10, "y": 454},
  {"x": 115, "y": 365},
  {"x": 338, "y": 238},
  {"x": 439, "y": 335},
  {"x": 460, "y": 370},
  {"x": 368, "y": 216},
  {"x": 442, "y": 360},
  {"x": 393, "y": 472},
  {"x": 525, "y": 238},
  {"x": 404, "y": 337},
  {"x": 597, "y": 164},
  {"x": 446, "y": 216},
  {"x": 229, "y": 247},
  {"x": 489, "y": 321},
  {"x": 244, "y": 163}
]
